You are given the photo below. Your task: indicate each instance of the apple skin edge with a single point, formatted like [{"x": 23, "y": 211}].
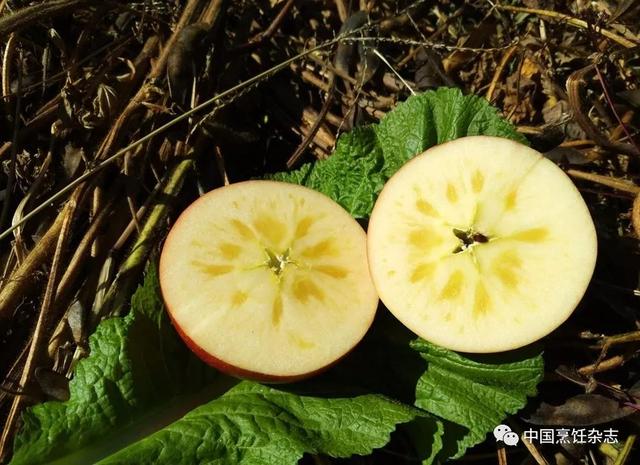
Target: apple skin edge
[{"x": 247, "y": 374}]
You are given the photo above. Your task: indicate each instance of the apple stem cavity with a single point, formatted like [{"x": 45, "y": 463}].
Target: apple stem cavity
[
  {"x": 277, "y": 262},
  {"x": 468, "y": 239}
]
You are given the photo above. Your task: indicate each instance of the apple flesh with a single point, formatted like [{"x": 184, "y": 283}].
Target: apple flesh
[
  {"x": 481, "y": 245},
  {"x": 267, "y": 280}
]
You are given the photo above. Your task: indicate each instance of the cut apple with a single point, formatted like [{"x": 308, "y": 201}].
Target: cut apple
[
  {"x": 268, "y": 280},
  {"x": 481, "y": 245}
]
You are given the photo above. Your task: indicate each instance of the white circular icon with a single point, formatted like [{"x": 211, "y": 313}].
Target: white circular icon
[
  {"x": 510, "y": 438},
  {"x": 500, "y": 431}
]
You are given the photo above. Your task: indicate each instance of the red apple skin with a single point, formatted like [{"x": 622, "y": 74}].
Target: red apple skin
[{"x": 246, "y": 374}]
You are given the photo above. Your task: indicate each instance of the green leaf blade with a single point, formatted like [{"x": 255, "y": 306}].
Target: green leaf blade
[
  {"x": 259, "y": 424},
  {"x": 351, "y": 176},
  {"x": 476, "y": 395}
]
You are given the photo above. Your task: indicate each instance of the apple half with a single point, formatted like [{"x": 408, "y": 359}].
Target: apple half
[
  {"x": 481, "y": 245},
  {"x": 267, "y": 280}
]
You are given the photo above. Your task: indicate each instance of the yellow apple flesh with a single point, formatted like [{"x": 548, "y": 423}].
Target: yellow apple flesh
[
  {"x": 481, "y": 245},
  {"x": 268, "y": 280}
]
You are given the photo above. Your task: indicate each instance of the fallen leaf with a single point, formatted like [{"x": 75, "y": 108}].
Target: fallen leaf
[{"x": 583, "y": 410}]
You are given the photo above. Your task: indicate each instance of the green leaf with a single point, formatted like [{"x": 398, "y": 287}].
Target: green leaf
[
  {"x": 475, "y": 394},
  {"x": 352, "y": 175},
  {"x": 426, "y": 436},
  {"x": 255, "y": 424},
  {"x": 366, "y": 157},
  {"x": 140, "y": 378},
  {"x": 138, "y": 374}
]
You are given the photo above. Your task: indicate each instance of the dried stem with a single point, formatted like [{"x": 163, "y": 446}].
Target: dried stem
[
  {"x": 533, "y": 450},
  {"x": 14, "y": 155},
  {"x": 316, "y": 125},
  {"x": 621, "y": 123},
  {"x": 113, "y": 158},
  {"x": 265, "y": 35},
  {"x": 342, "y": 10},
  {"x": 623, "y": 455},
  {"x": 22, "y": 280},
  {"x": 7, "y": 60},
  {"x": 82, "y": 252},
  {"x": 499, "y": 70},
  {"x": 38, "y": 12},
  {"x": 574, "y": 83},
  {"x": 502, "y": 456},
  {"x": 126, "y": 278},
  {"x": 45, "y": 317},
  {"x": 608, "y": 181},
  {"x": 604, "y": 365},
  {"x": 635, "y": 214},
  {"x": 575, "y": 22}
]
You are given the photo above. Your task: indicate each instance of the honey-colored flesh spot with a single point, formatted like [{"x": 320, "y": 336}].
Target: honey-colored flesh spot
[
  {"x": 242, "y": 229},
  {"x": 510, "y": 200},
  {"x": 229, "y": 250},
  {"x": 213, "y": 269},
  {"x": 506, "y": 267},
  {"x": 304, "y": 289},
  {"x": 531, "y": 235},
  {"x": 422, "y": 271},
  {"x": 510, "y": 258},
  {"x": 452, "y": 289},
  {"x": 424, "y": 238},
  {"x": 425, "y": 208},
  {"x": 238, "y": 298},
  {"x": 270, "y": 228},
  {"x": 452, "y": 193},
  {"x": 507, "y": 276},
  {"x": 481, "y": 301},
  {"x": 276, "y": 310},
  {"x": 323, "y": 248},
  {"x": 300, "y": 342},
  {"x": 332, "y": 270},
  {"x": 477, "y": 181},
  {"x": 302, "y": 228}
]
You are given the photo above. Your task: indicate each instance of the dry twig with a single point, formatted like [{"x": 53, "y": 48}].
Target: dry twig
[{"x": 575, "y": 22}]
